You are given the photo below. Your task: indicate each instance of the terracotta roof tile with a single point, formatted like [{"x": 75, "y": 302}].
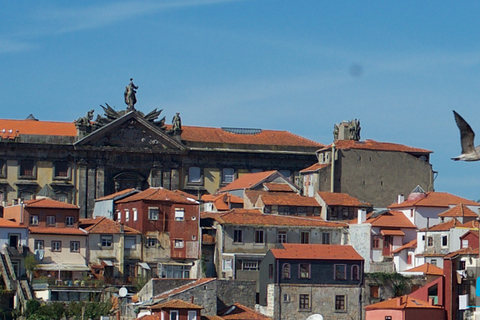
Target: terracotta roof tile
[
  {"x": 409, "y": 245},
  {"x": 159, "y": 194},
  {"x": 4, "y": 223},
  {"x": 254, "y": 217},
  {"x": 101, "y": 225},
  {"x": 241, "y": 312},
  {"x": 469, "y": 250},
  {"x": 252, "y": 195},
  {"x": 277, "y": 187},
  {"x": 427, "y": 269},
  {"x": 444, "y": 226},
  {"x": 33, "y": 127},
  {"x": 116, "y": 194},
  {"x": 403, "y": 302},
  {"x": 460, "y": 210},
  {"x": 341, "y": 199},
  {"x": 183, "y": 288},
  {"x": 435, "y": 199},
  {"x": 314, "y": 168},
  {"x": 391, "y": 219},
  {"x": 175, "y": 304},
  {"x": 316, "y": 252},
  {"x": 247, "y": 181},
  {"x": 473, "y": 225},
  {"x": 221, "y": 201},
  {"x": 289, "y": 200},
  {"x": 375, "y": 145},
  {"x": 56, "y": 230},
  {"x": 49, "y": 203}
]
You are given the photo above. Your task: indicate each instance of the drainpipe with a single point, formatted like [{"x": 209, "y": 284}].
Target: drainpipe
[{"x": 332, "y": 169}]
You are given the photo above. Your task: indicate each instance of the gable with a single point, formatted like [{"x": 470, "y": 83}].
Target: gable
[{"x": 131, "y": 131}]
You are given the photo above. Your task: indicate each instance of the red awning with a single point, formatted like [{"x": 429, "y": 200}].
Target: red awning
[{"x": 392, "y": 233}]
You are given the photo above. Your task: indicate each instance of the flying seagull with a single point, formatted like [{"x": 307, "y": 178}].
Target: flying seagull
[{"x": 469, "y": 152}]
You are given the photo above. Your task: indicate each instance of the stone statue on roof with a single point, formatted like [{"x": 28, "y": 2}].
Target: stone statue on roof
[
  {"x": 177, "y": 123},
  {"x": 130, "y": 95}
]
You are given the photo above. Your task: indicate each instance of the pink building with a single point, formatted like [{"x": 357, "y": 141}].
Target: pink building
[{"x": 404, "y": 308}]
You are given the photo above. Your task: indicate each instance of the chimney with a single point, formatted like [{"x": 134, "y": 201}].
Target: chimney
[
  {"x": 400, "y": 198},
  {"x": 362, "y": 215}
]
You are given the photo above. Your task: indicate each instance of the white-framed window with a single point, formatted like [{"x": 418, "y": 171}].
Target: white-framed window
[
  {"x": 228, "y": 175},
  {"x": 153, "y": 213},
  {"x": 106, "y": 241},
  {"x": 127, "y": 215},
  {"x": 194, "y": 175},
  {"x": 56, "y": 245},
  {"x": 69, "y": 221},
  {"x": 192, "y": 315},
  {"x": 227, "y": 264},
  {"x": 444, "y": 240},
  {"x": 135, "y": 214},
  {"x": 39, "y": 245},
  {"x": 50, "y": 220},
  {"x": 179, "y": 214},
  {"x": 282, "y": 237},
  {"x": 119, "y": 216},
  {"x": 130, "y": 242},
  {"x": 250, "y": 265},
  {"x": 238, "y": 235},
  {"x": 74, "y": 246},
  {"x": 34, "y": 220},
  {"x": 178, "y": 243},
  {"x": 173, "y": 315}
]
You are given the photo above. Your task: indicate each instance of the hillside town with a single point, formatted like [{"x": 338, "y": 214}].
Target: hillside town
[{"x": 169, "y": 221}]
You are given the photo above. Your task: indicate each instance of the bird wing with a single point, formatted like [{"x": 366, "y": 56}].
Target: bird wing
[{"x": 466, "y": 134}]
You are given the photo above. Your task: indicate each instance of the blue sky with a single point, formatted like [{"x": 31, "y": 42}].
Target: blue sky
[{"x": 400, "y": 67}]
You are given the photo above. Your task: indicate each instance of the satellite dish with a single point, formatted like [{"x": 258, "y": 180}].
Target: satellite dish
[
  {"x": 315, "y": 317},
  {"x": 123, "y": 292}
]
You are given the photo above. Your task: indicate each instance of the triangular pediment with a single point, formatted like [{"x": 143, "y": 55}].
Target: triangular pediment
[{"x": 131, "y": 132}]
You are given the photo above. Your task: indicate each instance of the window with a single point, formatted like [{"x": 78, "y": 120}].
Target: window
[
  {"x": 355, "y": 273},
  {"x": 325, "y": 237},
  {"x": 465, "y": 243},
  {"x": 238, "y": 235},
  {"x": 375, "y": 242},
  {"x": 194, "y": 175},
  {"x": 50, "y": 220},
  {"x": 151, "y": 242},
  {"x": 153, "y": 213},
  {"x": 192, "y": 315},
  {"x": 267, "y": 209},
  {"x": 34, "y": 220},
  {"x": 106, "y": 241},
  {"x": 61, "y": 170},
  {"x": 56, "y": 245},
  {"x": 374, "y": 291},
  {"x": 259, "y": 236},
  {"x": 339, "y": 303},
  {"x": 388, "y": 317},
  {"x": 409, "y": 258},
  {"x": 69, "y": 221},
  {"x": 250, "y": 265},
  {"x": 127, "y": 215},
  {"x": 286, "y": 271},
  {"x": 174, "y": 271},
  {"x": 173, "y": 315},
  {"x": 430, "y": 241},
  {"x": 27, "y": 169},
  {"x": 227, "y": 265},
  {"x": 302, "y": 211},
  {"x": 178, "y": 243},
  {"x": 305, "y": 237},
  {"x": 286, "y": 297},
  {"x": 135, "y": 214},
  {"x": 179, "y": 214},
  {"x": 304, "y": 271},
  {"x": 304, "y": 302},
  {"x": 130, "y": 242},
  {"x": 270, "y": 271},
  {"x": 444, "y": 241},
  {"x": 119, "y": 216},
  {"x": 228, "y": 175},
  {"x": 282, "y": 237},
  {"x": 74, "y": 246},
  {"x": 39, "y": 245},
  {"x": 434, "y": 262},
  {"x": 62, "y": 197},
  {"x": 340, "y": 272}
]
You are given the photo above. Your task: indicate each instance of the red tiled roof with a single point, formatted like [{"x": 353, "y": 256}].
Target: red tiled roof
[
  {"x": 221, "y": 201},
  {"x": 254, "y": 217},
  {"x": 277, "y": 187},
  {"x": 409, "y": 245},
  {"x": 391, "y": 219},
  {"x": 33, "y": 127},
  {"x": 375, "y": 145},
  {"x": 4, "y": 223},
  {"x": 56, "y": 230},
  {"x": 102, "y": 225},
  {"x": 316, "y": 252},
  {"x": 247, "y": 181},
  {"x": 175, "y": 304},
  {"x": 159, "y": 194},
  {"x": 435, "y": 199},
  {"x": 49, "y": 203},
  {"x": 289, "y": 200},
  {"x": 444, "y": 226},
  {"x": 265, "y": 137},
  {"x": 427, "y": 269},
  {"x": 403, "y": 302},
  {"x": 460, "y": 210},
  {"x": 240, "y": 312},
  {"x": 341, "y": 199},
  {"x": 392, "y": 233},
  {"x": 314, "y": 168},
  {"x": 183, "y": 288},
  {"x": 116, "y": 194},
  {"x": 253, "y": 195},
  {"x": 469, "y": 250},
  {"x": 473, "y": 224}
]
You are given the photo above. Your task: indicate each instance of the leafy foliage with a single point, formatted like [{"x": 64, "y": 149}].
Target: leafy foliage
[
  {"x": 72, "y": 310},
  {"x": 398, "y": 282}
]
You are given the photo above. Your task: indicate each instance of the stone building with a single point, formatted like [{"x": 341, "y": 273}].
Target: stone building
[{"x": 84, "y": 160}]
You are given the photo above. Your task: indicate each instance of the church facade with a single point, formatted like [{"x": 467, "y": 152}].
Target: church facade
[{"x": 80, "y": 161}]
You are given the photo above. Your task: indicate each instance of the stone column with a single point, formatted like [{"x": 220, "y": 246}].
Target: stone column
[
  {"x": 82, "y": 187},
  {"x": 91, "y": 189},
  {"x": 175, "y": 179}
]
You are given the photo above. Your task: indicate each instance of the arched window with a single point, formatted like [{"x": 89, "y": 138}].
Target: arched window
[
  {"x": 355, "y": 272},
  {"x": 286, "y": 271}
]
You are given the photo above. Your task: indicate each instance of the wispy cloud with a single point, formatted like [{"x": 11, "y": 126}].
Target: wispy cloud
[{"x": 9, "y": 46}]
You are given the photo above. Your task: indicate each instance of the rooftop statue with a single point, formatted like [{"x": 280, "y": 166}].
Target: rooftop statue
[
  {"x": 130, "y": 98},
  {"x": 177, "y": 123}
]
